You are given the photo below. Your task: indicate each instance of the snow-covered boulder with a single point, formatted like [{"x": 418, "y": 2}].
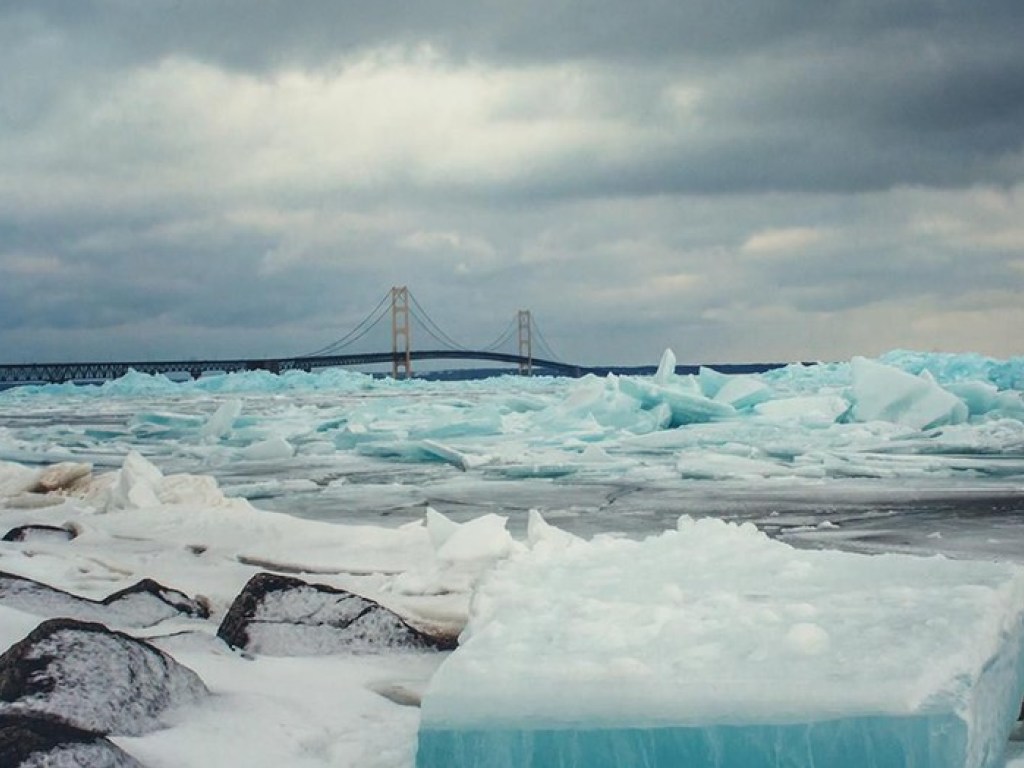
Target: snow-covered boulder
[
  {"x": 283, "y": 616},
  {"x": 29, "y": 741},
  {"x": 51, "y": 533},
  {"x": 94, "y": 678},
  {"x": 141, "y": 605}
]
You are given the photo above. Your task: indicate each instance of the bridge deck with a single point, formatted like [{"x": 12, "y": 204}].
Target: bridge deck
[{"x": 58, "y": 373}]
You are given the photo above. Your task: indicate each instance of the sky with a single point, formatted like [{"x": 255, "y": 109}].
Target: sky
[{"x": 739, "y": 181}]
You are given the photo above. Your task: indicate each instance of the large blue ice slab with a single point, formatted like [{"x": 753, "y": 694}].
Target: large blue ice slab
[
  {"x": 716, "y": 646},
  {"x": 935, "y": 741}
]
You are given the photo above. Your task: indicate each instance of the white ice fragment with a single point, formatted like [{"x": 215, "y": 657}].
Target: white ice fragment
[
  {"x": 462, "y": 552},
  {"x": 136, "y": 484},
  {"x": 743, "y": 392},
  {"x": 540, "y": 533},
  {"x": 884, "y": 393},
  {"x": 439, "y": 527},
  {"x": 481, "y": 539},
  {"x": 461, "y": 460},
  {"x": 809, "y": 410},
  {"x": 272, "y": 449},
  {"x": 666, "y": 367},
  {"x": 221, "y": 422}
]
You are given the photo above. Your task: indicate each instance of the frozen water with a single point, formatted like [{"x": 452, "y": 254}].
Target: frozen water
[
  {"x": 743, "y": 392},
  {"x": 347, "y": 447},
  {"x": 368, "y": 460},
  {"x": 883, "y": 393},
  {"x": 714, "y": 645},
  {"x": 818, "y": 455},
  {"x": 222, "y": 421}
]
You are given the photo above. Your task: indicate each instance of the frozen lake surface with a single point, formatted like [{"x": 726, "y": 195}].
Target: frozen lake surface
[
  {"x": 797, "y": 451},
  {"x": 911, "y": 453}
]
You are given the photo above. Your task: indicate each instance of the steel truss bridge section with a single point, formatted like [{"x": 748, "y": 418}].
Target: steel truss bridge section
[{"x": 59, "y": 373}]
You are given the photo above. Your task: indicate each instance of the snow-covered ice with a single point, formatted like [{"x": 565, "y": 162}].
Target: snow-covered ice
[{"x": 714, "y": 645}]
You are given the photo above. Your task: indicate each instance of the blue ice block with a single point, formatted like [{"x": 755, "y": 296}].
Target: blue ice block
[{"x": 716, "y": 646}]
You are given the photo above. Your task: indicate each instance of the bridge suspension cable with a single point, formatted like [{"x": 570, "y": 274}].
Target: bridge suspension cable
[
  {"x": 367, "y": 324},
  {"x": 543, "y": 345},
  {"x": 505, "y": 336},
  {"x": 431, "y": 327}
]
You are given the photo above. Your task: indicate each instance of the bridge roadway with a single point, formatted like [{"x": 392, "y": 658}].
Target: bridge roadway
[{"x": 58, "y": 373}]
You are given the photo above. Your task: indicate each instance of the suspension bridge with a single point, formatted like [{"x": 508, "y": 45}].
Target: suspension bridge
[{"x": 515, "y": 347}]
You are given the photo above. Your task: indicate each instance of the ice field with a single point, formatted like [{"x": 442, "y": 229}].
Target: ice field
[{"x": 419, "y": 495}]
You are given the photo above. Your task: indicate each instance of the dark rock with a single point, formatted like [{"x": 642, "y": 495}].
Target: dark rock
[
  {"x": 140, "y": 605},
  {"x": 39, "y": 533},
  {"x": 148, "y": 592},
  {"x": 93, "y": 678},
  {"x": 283, "y": 616},
  {"x": 28, "y": 741}
]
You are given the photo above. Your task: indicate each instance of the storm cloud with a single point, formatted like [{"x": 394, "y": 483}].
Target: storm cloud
[{"x": 792, "y": 180}]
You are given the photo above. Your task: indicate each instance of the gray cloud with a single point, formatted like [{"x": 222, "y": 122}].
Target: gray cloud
[{"x": 801, "y": 180}]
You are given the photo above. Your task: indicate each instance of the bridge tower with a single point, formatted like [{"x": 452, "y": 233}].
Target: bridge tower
[
  {"x": 401, "y": 333},
  {"x": 525, "y": 343}
]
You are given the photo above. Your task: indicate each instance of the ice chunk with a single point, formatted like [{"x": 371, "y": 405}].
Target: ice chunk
[
  {"x": 453, "y": 456},
  {"x": 743, "y": 392},
  {"x": 716, "y": 646},
  {"x": 273, "y": 449},
  {"x": 605, "y": 402},
  {"x": 686, "y": 403},
  {"x": 483, "y": 538},
  {"x": 540, "y": 533},
  {"x": 440, "y": 527},
  {"x": 888, "y": 394},
  {"x": 462, "y": 552},
  {"x": 141, "y": 485},
  {"x": 136, "y": 485},
  {"x": 222, "y": 420},
  {"x": 711, "y": 380},
  {"x": 666, "y": 368},
  {"x": 811, "y": 410}
]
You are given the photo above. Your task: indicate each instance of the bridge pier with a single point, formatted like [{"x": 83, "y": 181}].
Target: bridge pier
[
  {"x": 525, "y": 343},
  {"x": 401, "y": 333}
]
